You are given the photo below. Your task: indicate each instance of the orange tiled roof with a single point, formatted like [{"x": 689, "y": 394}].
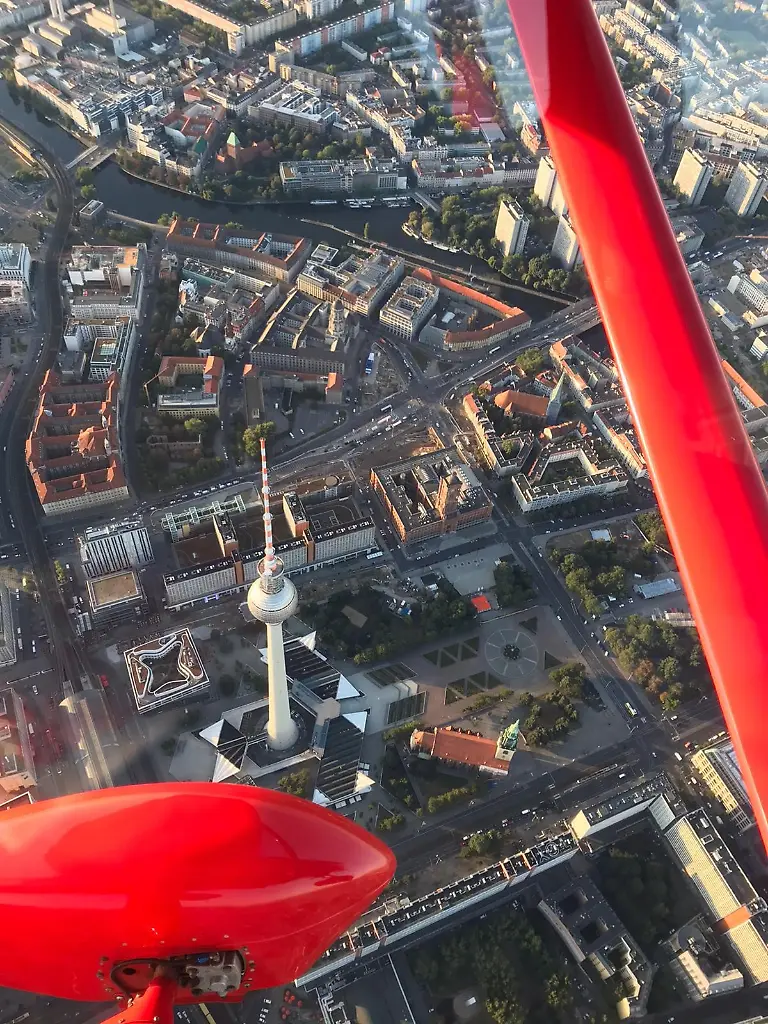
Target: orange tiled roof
[
  {"x": 519, "y": 401},
  {"x": 459, "y": 747}
]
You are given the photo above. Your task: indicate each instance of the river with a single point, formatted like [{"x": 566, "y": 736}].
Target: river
[{"x": 135, "y": 198}]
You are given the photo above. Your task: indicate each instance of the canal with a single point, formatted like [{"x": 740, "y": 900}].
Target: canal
[{"x": 135, "y": 198}]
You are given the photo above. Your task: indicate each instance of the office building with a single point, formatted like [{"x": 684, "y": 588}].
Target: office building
[
  {"x": 431, "y": 495},
  {"x": 109, "y": 344},
  {"x": 72, "y": 452},
  {"x": 719, "y": 770},
  {"x": 272, "y": 599},
  {"x": 107, "y": 549},
  {"x": 363, "y": 174},
  {"x": 15, "y": 263},
  {"x": 184, "y": 401},
  {"x": 279, "y": 257},
  {"x": 116, "y": 598},
  {"x": 408, "y": 309},
  {"x": 734, "y": 908},
  {"x": 565, "y": 248},
  {"x": 219, "y": 547},
  {"x": 597, "y": 939},
  {"x": 8, "y": 647},
  {"x": 466, "y": 317},
  {"x": 511, "y": 228},
  {"x": 106, "y": 282},
  {"x": 747, "y": 188},
  {"x": 693, "y": 174},
  {"x": 752, "y": 289},
  {"x": 545, "y": 482},
  {"x": 361, "y": 283},
  {"x": 165, "y": 670}
]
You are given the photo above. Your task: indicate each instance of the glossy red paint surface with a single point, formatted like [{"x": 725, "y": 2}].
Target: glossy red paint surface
[
  {"x": 149, "y": 871},
  {"x": 710, "y": 490},
  {"x": 154, "y": 1006}
]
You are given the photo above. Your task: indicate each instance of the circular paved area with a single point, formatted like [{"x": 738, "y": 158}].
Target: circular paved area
[{"x": 505, "y": 668}]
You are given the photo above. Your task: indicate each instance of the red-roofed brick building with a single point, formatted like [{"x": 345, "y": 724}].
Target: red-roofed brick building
[
  {"x": 72, "y": 452},
  {"x": 463, "y": 748},
  {"x": 511, "y": 402},
  {"x": 279, "y": 257},
  {"x": 511, "y": 319}
]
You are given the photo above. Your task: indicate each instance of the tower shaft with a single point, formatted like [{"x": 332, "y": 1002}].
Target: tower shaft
[
  {"x": 272, "y": 599},
  {"x": 281, "y": 728}
]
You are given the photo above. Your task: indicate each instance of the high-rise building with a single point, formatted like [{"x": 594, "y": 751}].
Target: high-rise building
[
  {"x": 719, "y": 768},
  {"x": 546, "y": 177},
  {"x": 557, "y": 203},
  {"x": 511, "y": 228},
  {"x": 116, "y": 546},
  {"x": 272, "y": 599},
  {"x": 565, "y": 248},
  {"x": 746, "y": 190},
  {"x": 693, "y": 174}
]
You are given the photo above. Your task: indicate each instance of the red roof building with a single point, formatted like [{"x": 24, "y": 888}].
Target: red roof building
[
  {"x": 459, "y": 748},
  {"x": 72, "y": 452}
]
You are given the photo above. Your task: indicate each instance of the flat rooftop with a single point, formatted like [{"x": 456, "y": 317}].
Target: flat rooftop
[{"x": 119, "y": 586}]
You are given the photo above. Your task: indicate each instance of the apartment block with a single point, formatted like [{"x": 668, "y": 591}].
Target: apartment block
[
  {"x": 546, "y": 177},
  {"x": 363, "y": 20},
  {"x": 565, "y": 248},
  {"x": 693, "y": 174},
  {"x": 72, "y": 452},
  {"x": 511, "y": 228},
  {"x": 15, "y": 13},
  {"x": 752, "y": 289},
  {"x": 239, "y": 33},
  {"x": 746, "y": 190}
]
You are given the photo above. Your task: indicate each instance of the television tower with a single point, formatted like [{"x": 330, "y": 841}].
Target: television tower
[{"x": 272, "y": 599}]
